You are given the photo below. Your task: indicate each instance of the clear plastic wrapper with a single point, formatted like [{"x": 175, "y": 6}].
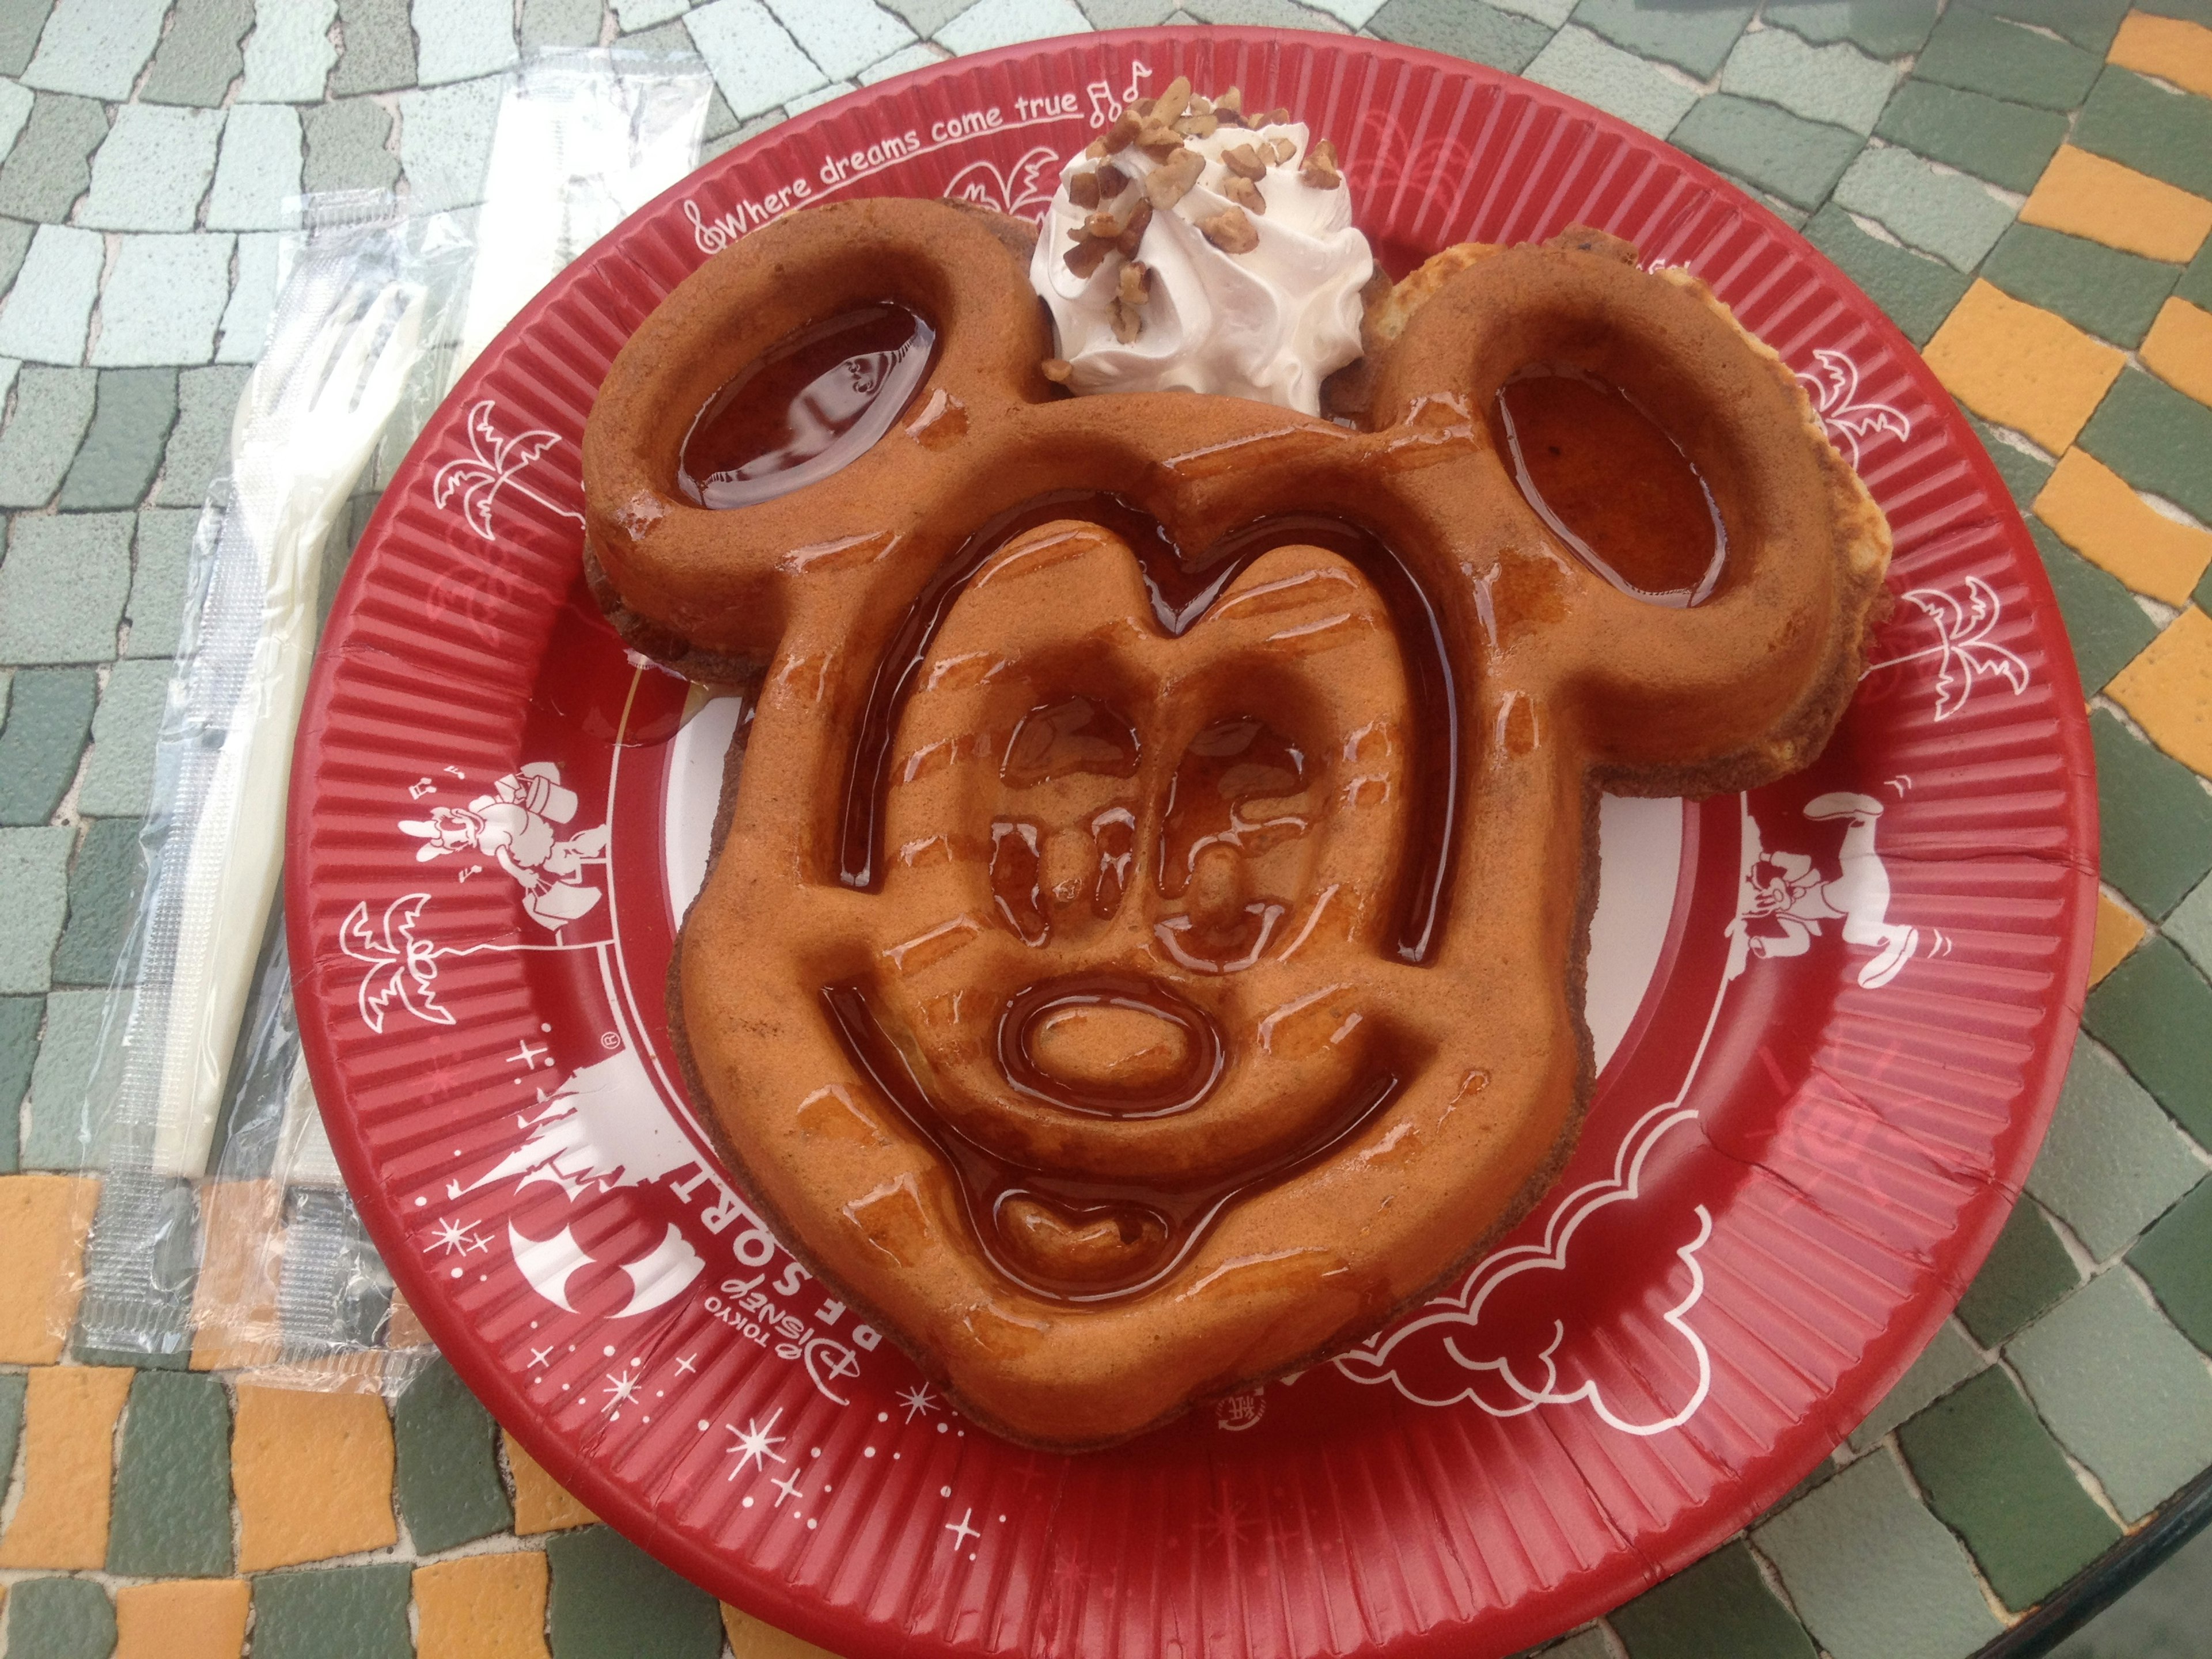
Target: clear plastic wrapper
[{"x": 223, "y": 1231}]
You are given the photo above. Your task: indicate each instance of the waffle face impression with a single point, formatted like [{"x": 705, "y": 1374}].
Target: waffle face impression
[{"x": 1144, "y": 948}]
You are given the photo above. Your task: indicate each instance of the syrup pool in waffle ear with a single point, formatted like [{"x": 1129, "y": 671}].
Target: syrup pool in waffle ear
[{"x": 1145, "y": 949}]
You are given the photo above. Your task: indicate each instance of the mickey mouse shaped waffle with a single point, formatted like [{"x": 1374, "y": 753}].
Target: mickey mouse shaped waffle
[{"x": 1144, "y": 950}]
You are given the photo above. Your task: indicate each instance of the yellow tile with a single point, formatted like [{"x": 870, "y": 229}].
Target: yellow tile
[
  {"x": 312, "y": 1471},
  {"x": 2022, "y": 367},
  {"x": 2117, "y": 934},
  {"x": 195, "y": 1619},
  {"x": 541, "y": 1502},
  {"x": 2178, "y": 348},
  {"x": 2168, "y": 689},
  {"x": 2085, "y": 195},
  {"x": 234, "y": 1301},
  {"x": 42, "y": 1226},
  {"x": 751, "y": 1638},
  {"x": 69, "y": 1463},
  {"x": 482, "y": 1606},
  {"x": 2095, "y": 514},
  {"x": 2167, "y": 47}
]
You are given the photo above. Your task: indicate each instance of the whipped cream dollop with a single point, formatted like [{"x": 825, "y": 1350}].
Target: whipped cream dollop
[{"x": 1232, "y": 266}]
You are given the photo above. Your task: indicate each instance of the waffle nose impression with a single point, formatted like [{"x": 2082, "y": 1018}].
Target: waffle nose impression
[
  {"x": 1106, "y": 1045},
  {"x": 1110, "y": 1045}
]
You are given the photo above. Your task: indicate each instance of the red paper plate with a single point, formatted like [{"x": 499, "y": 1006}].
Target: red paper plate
[{"x": 1832, "y": 1015}]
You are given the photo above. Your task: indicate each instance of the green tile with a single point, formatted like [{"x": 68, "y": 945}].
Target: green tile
[
  {"x": 2190, "y": 11},
  {"x": 18, "y": 1048},
  {"x": 199, "y": 57},
  {"x": 379, "y": 47},
  {"x": 333, "y": 1612},
  {"x": 60, "y": 1619},
  {"x": 2175, "y": 1259},
  {"x": 1874, "y": 1575},
  {"x": 2124, "y": 1391},
  {"x": 2114, "y": 294},
  {"x": 207, "y": 403},
  {"x": 123, "y": 451},
  {"x": 2113, "y": 1162},
  {"x": 2189, "y": 925},
  {"x": 2089, "y": 24},
  {"x": 449, "y": 1480},
  {"x": 1883, "y": 28},
  {"x": 2104, "y": 624},
  {"x": 49, "y": 717},
  {"x": 2008, "y": 144},
  {"x": 2196, "y": 283},
  {"x": 1948, "y": 1360},
  {"x": 1797, "y": 160},
  {"x": 19, "y": 35},
  {"x": 1720, "y": 1609},
  {"x": 1994, "y": 1475},
  {"x": 1462, "y": 28},
  {"x": 2156, "y": 438},
  {"x": 610, "y": 1600},
  {"x": 160, "y": 563},
  {"x": 103, "y": 897},
  {"x": 2167, "y": 135},
  {"x": 12, "y": 1384},
  {"x": 2156, "y": 820},
  {"x": 1980, "y": 53},
  {"x": 51, "y": 165},
  {"x": 1917, "y": 293},
  {"x": 1694, "y": 38},
  {"x": 171, "y": 1505},
  {"x": 2024, "y": 475},
  {"x": 2028, "y": 1271},
  {"x": 2154, "y": 1012}
]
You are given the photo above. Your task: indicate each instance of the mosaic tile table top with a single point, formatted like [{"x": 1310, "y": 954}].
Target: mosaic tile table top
[{"x": 2026, "y": 185}]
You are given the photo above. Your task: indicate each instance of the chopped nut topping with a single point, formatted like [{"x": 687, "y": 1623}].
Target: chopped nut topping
[
  {"x": 1244, "y": 193},
  {"x": 1278, "y": 116},
  {"x": 1112, "y": 181},
  {"x": 1172, "y": 101},
  {"x": 1282, "y": 149},
  {"x": 1196, "y": 126},
  {"x": 1095, "y": 149},
  {"x": 1058, "y": 370},
  {"x": 1158, "y": 140},
  {"x": 1123, "y": 132},
  {"x": 1087, "y": 255},
  {"x": 1321, "y": 170},
  {"x": 1170, "y": 181},
  {"x": 1231, "y": 231},
  {"x": 1200, "y": 106},
  {"x": 1102, "y": 225},
  {"x": 1244, "y": 161},
  {"x": 1143, "y": 107},
  {"x": 1133, "y": 234},
  {"x": 1082, "y": 189},
  {"x": 1229, "y": 108},
  {"x": 1127, "y": 320},
  {"x": 1136, "y": 283}
]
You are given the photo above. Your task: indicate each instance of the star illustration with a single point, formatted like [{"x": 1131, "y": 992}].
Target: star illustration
[
  {"x": 918, "y": 1401},
  {"x": 621, "y": 1390},
  {"x": 961, "y": 1531},
  {"x": 455, "y": 1238},
  {"x": 788, "y": 1486},
  {"x": 1225, "y": 1521},
  {"x": 689, "y": 1362},
  {"x": 540, "y": 1356},
  {"x": 754, "y": 1442}
]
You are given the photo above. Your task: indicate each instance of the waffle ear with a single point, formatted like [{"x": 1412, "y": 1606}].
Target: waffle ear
[{"x": 691, "y": 578}]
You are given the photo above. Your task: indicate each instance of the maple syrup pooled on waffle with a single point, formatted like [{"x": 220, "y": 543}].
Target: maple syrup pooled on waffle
[
  {"x": 1611, "y": 483},
  {"x": 813, "y": 402}
]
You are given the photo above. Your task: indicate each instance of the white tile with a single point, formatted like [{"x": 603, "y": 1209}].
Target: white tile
[
  {"x": 445, "y": 140},
  {"x": 921, "y": 55},
  {"x": 2113, "y": 1161},
  {"x": 1551, "y": 13},
  {"x": 15, "y": 110},
  {"x": 1580, "y": 64},
  {"x": 1837, "y": 84},
  {"x": 163, "y": 301},
  {"x": 842, "y": 37},
  {"x": 245, "y": 328},
  {"x": 808, "y": 101},
  {"x": 45, "y": 315},
  {"x": 257, "y": 171},
  {"x": 95, "y": 48},
  {"x": 290, "y": 54},
  {"x": 1946, "y": 214},
  {"x": 1003, "y": 23},
  {"x": 756, "y": 64},
  {"x": 459, "y": 40},
  {"x": 1354, "y": 14},
  {"x": 152, "y": 169}
]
